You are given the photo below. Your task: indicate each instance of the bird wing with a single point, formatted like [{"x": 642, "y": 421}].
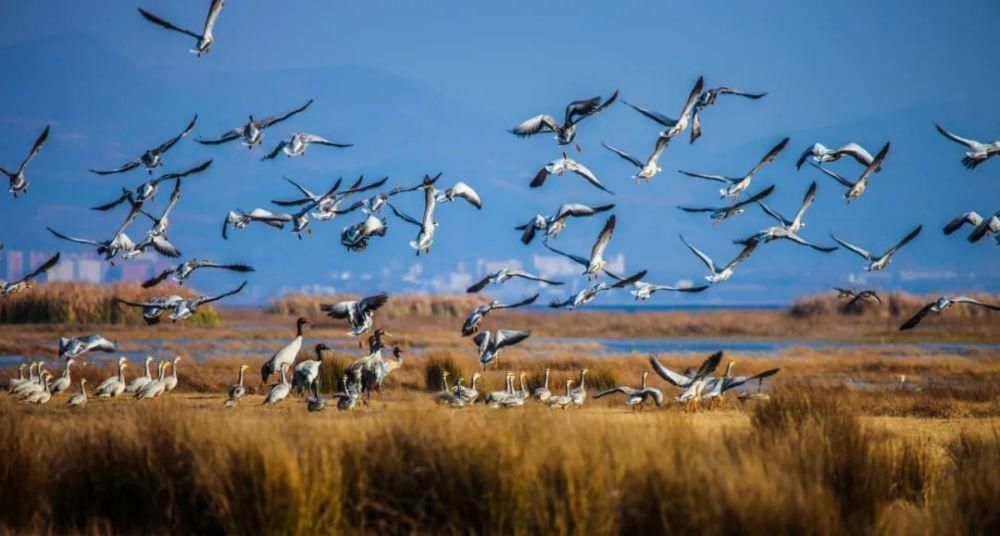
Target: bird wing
[
  {"x": 509, "y": 337},
  {"x": 123, "y": 168},
  {"x": 626, "y": 281},
  {"x": 731, "y": 91},
  {"x": 906, "y": 240},
  {"x": 915, "y": 319},
  {"x": 539, "y": 123},
  {"x": 268, "y": 121},
  {"x": 604, "y": 238},
  {"x": 35, "y": 148},
  {"x": 971, "y": 301},
  {"x": 673, "y": 378},
  {"x": 836, "y": 176},
  {"x": 540, "y": 177},
  {"x": 972, "y": 144},
  {"x": 460, "y": 189},
  {"x": 373, "y": 303},
  {"x": 624, "y": 389},
  {"x": 875, "y": 164},
  {"x": 769, "y": 157},
  {"x": 476, "y": 287},
  {"x": 166, "y": 24},
  {"x": 179, "y": 175},
  {"x": 578, "y": 210},
  {"x": 799, "y": 240},
  {"x": 227, "y": 137},
  {"x": 810, "y": 151},
  {"x": 718, "y": 178},
  {"x": 709, "y": 365},
  {"x": 532, "y": 277},
  {"x": 164, "y": 246},
  {"x": 781, "y": 219},
  {"x": 655, "y": 116},
  {"x": 403, "y": 216},
  {"x": 973, "y": 218},
  {"x": 152, "y": 282},
  {"x": 755, "y": 197},
  {"x": 234, "y": 267},
  {"x": 991, "y": 225},
  {"x": 698, "y": 253},
  {"x": 747, "y": 250},
  {"x": 126, "y": 194},
  {"x": 521, "y": 303},
  {"x": 430, "y": 201},
  {"x": 865, "y": 254},
  {"x": 49, "y": 264},
  {"x": 692, "y": 289},
  {"x": 736, "y": 381},
  {"x": 856, "y": 152},
  {"x": 319, "y": 140},
  {"x": 693, "y": 96},
  {"x": 338, "y": 310},
  {"x": 575, "y": 258},
  {"x": 582, "y": 171},
  {"x": 807, "y": 201},
  {"x": 209, "y": 299},
  {"x": 213, "y": 15},
  {"x": 277, "y": 150},
  {"x": 635, "y": 161},
  {"x": 72, "y": 239},
  {"x": 165, "y": 146}
]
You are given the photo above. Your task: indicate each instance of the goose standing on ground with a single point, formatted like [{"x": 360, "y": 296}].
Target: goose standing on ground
[
  {"x": 79, "y": 399},
  {"x": 579, "y": 393},
  {"x": 427, "y": 225},
  {"x": 179, "y": 273},
  {"x": 359, "y": 313},
  {"x": 170, "y": 382},
  {"x": 42, "y": 395},
  {"x": 468, "y": 394},
  {"x": 877, "y": 263},
  {"x": 346, "y": 399},
  {"x": 285, "y": 356},
  {"x": 119, "y": 241},
  {"x": 979, "y": 153},
  {"x": 502, "y": 275},
  {"x": 674, "y": 126},
  {"x": 595, "y": 264},
  {"x": 308, "y": 370},
  {"x": 575, "y": 112},
  {"x": 446, "y": 395},
  {"x": 475, "y": 320},
  {"x": 642, "y": 290},
  {"x": 204, "y": 39},
  {"x": 78, "y": 346},
  {"x": 148, "y": 189},
  {"x": 735, "y": 186},
  {"x": 315, "y": 402},
  {"x": 718, "y": 214},
  {"x": 13, "y": 383},
  {"x": 493, "y": 398},
  {"x": 155, "y": 387},
  {"x": 542, "y": 393},
  {"x": 553, "y": 225},
  {"x": 821, "y": 154},
  {"x": 186, "y": 308},
  {"x": 856, "y": 188},
  {"x": 588, "y": 294},
  {"x": 280, "y": 390},
  {"x": 237, "y": 390},
  {"x": 152, "y": 158},
  {"x": 18, "y": 181},
  {"x": 491, "y": 346},
  {"x": 789, "y": 229},
  {"x": 8, "y": 288},
  {"x": 140, "y": 381},
  {"x": 940, "y": 305},
  {"x": 115, "y": 385},
  {"x": 707, "y": 98},
  {"x": 562, "y": 165},
  {"x": 562, "y": 401},
  {"x": 636, "y": 398},
  {"x": 717, "y": 275},
  {"x": 693, "y": 384},
  {"x": 981, "y": 227},
  {"x": 869, "y": 296},
  {"x": 297, "y": 144},
  {"x": 252, "y": 132},
  {"x": 63, "y": 382},
  {"x": 33, "y": 384},
  {"x": 716, "y": 388}
]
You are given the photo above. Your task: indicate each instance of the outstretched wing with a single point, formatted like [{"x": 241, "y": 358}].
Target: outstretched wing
[
  {"x": 971, "y": 301},
  {"x": 121, "y": 199},
  {"x": 673, "y": 378},
  {"x": 52, "y": 262},
  {"x": 539, "y": 123},
  {"x": 165, "y": 146},
  {"x": 576, "y": 111},
  {"x": 320, "y": 140},
  {"x": 577, "y": 210},
  {"x": 373, "y": 303},
  {"x": 510, "y": 337},
  {"x": 973, "y": 218},
  {"x": 152, "y": 282},
  {"x": 655, "y": 116},
  {"x": 623, "y": 389},
  {"x": 277, "y": 150},
  {"x": 532, "y": 277},
  {"x": 227, "y": 137},
  {"x": 403, "y": 216},
  {"x": 751, "y": 245},
  {"x": 799, "y": 240},
  {"x": 698, "y": 253},
  {"x": 521, "y": 303},
  {"x": 268, "y": 121},
  {"x": 718, "y": 178},
  {"x": 575, "y": 258},
  {"x": 77, "y": 240},
  {"x": 807, "y": 201},
  {"x": 337, "y": 310},
  {"x": 863, "y": 253},
  {"x": 166, "y": 24},
  {"x": 755, "y": 197},
  {"x": 209, "y": 299},
  {"x": 906, "y": 240},
  {"x": 582, "y": 171},
  {"x": 767, "y": 210},
  {"x": 915, "y": 319},
  {"x": 836, "y": 176},
  {"x": 213, "y": 15},
  {"x": 479, "y": 285},
  {"x": 635, "y": 161},
  {"x": 460, "y": 189},
  {"x": 35, "y": 148},
  {"x": 123, "y": 168},
  {"x": 604, "y": 238},
  {"x": 972, "y": 144},
  {"x": 769, "y": 157},
  {"x": 709, "y": 365}
]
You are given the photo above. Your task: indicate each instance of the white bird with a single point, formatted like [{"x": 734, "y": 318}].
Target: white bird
[
  {"x": 542, "y": 393},
  {"x": 185, "y": 308},
  {"x": 237, "y": 390},
  {"x": 636, "y": 398},
  {"x": 650, "y": 168},
  {"x": 493, "y": 398},
  {"x": 716, "y": 387},
  {"x": 18, "y": 180},
  {"x": 119, "y": 243},
  {"x": 136, "y": 384},
  {"x": 148, "y": 189},
  {"x": 821, "y": 154},
  {"x": 468, "y": 394},
  {"x": 674, "y": 126},
  {"x": 735, "y": 186},
  {"x": 114, "y": 385},
  {"x": 982, "y": 227},
  {"x": 555, "y": 224},
  {"x": 355, "y": 237},
  {"x": 693, "y": 384},
  {"x": 79, "y": 399},
  {"x": 297, "y": 144},
  {"x": 575, "y": 112},
  {"x": 718, "y": 214},
  {"x": 286, "y": 355},
  {"x": 156, "y": 236},
  {"x": 63, "y": 382},
  {"x": 979, "y": 151},
  {"x": 940, "y": 305},
  {"x": 579, "y": 393},
  {"x": 856, "y": 188},
  {"x": 491, "y": 346},
  {"x": 587, "y": 294},
  {"x": 475, "y": 319},
  {"x": 239, "y": 219},
  {"x": 504, "y": 274},
  {"x": 170, "y": 382},
  {"x": 78, "y": 346},
  {"x": 307, "y": 370},
  {"x": 877, "y": 263},
  {"x": 562, "y": 401},
  {"x": 461, "y": 191},
  {"x": 42, "y": 394},
  {"x": 427, "y": 225},
  {"x": 280, "y": 390},
  {"x": 595, "y": 264},
  {"x": 707, "y": 98},
  {"x": 152, "y": 158},
  {"x": 252, "y": 132},
  {"x": 181, "y": 272},
  {"x": 204, "y": 39},
  {"x": 643, "y": 290},
  {"x": 359, "y": 313},
  {"x": 13, "y": 383},
  {"x": 36, "y": 383},
  {"x": 156, "y": 387},
  {"x": 562, "y": 165},
  {"x": 719, "y": 275},
  {"x": 788, "y": 229},
  {"x": 8, "y": 288}
]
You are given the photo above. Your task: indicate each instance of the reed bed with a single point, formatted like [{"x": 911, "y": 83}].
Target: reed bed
[
  {"x": 805, "y": 462},
  {"x": 398, "y": 306},
  {"x": 79, "y": 303}
]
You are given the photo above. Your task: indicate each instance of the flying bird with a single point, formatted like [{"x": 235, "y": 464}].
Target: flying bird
[
  {"x": 877, "y": 263},
  {"x": 635, "y": 398},
  {"x": 853, "y": 295},
  {"x": 355, "y": 237},
  {"x": 490, "y": 345},
  {"x": 359, "y": 313},
  {"x": 18, "y": 181},
  {"x": 148, "y": 189},
  {"x": 588, "y": 294},
  {"x": 156, "y": 237},
  {"x": 475, "y": 319},
  {"x": 297, "y": 144},
  {"x": 240, "y": 219},
  {"x": 553, "y": 225},
  {"x": 649, "y": 168},
  {"x": 981, "y": 227},
  {"x": 674, "y": 126},
  {"x": 152, "y": 158},
  {"x": 821, "y": 154},
  {"x": 643, "y": 290},
  {"x": 8, "y": 288},
  {"x": 737, "y": 185},
  {"x": 694, "y": 382},
  {"x": 721, "y": 213},
  {"x": 461, "y": 191},
  {"x": 940, "y": 305},
  {"x": 181, "y": 272},
  {"x": 251, "y": 133},
  {"x": 595, "y": 264},
  {"x": 562, "y": 165},
  {"x": 181, "y": 308},
  {"x": 979, "y": 151},
  {"x": 789, "y": 229},
  {"x": 719, "y": 275},
  {"x": 427, "y": 225},
  {"x": 707, "y": 98},
  {"x": 500, "y": 276},
  {"x": 204, "y": 39},
  {"x": 575, "y": 112},
  {"x": 153, "y": 308},
  {"x": 856, "y": 188},
  {"x": 77, "y": 346},
  {"x": 119, "y": 243}
]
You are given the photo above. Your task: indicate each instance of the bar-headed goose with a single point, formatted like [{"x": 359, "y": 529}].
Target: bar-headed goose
[
  {"x": 588, "y": 294},
  {"x": 693, "y": 384},
  {"x": 674, "y": 126},
  {"x": 981, "y": 227},
  {"x": 152, "y": 158},
  {"x": 359, "y": 313},
  {"x": 635, "y": 398},
  {"x": 718, "y": 214},
  {"x": 735, "y": 186},
  {"x": 853, "y": 296},
  {"x": 707, "y": 98},
  {"x": 877, "y": 263},
  {"x": 78, "y": 346},
  {"x": 475, "y": 319},
  {"x": 649, "y": 168},
  {"x": 427, "y": 224},
  {"x": 491, "y": 345},
  {"x": 979, "y": 152},
  {"x": 355, "y": 237},
  {"x": 595, "y": 263},
  {"x": 185, "y": 308},
  {"x": 562, "y": 165},
  {"x": 297, "y": 144},
  {"x": 8, "y": 288},
  {"x": 719, "y": 275},
  {"x": 575, "y": 112},
  {"x": 179, "y": 273},
  {"x": 204, "y": 39},
  {"x": 940, "y": 305},
  {"x": 643, "y": 290},
  {"x": 252, "y": 132},
  {"x": 239, "y": 220},
  {"x": 789, "y": 229},
  {"x": 820, "y": 154},
  {"x": 856, "y": 188},
  {"x": 148, "y": 189},
  {"x": 153, "y": 308},
  {"x": 556, "y": 223},
  {"x": 119, "y": 243},
  {"x": 18, "y": 180},
  {"x": 504, "y": 274}
]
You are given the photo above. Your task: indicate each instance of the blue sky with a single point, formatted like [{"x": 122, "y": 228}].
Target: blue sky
[{"x": 427, "y": 87}]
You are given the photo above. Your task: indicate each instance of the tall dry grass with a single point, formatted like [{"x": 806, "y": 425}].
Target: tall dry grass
[
  {"x": 398, "y": 306},
  {"x": 899, "y": 305},
  {"x": 805, "y": 465},
  {"x": 79, "y": 303}
]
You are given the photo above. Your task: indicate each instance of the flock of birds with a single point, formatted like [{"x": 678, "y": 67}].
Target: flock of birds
[{"x": 370, "y": 199}]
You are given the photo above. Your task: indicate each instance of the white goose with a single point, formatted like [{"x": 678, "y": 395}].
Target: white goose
[
  {"x": 114, "y": 385},
  {"x": 18, "y": 181},
  {"x": 719, "y": 275},
  {"x": 735, "y": 186},
  {"x": 542, "y": 393},
  {"x": 576, "y": 111},
  {"x": 136, "y": 384},
  {"x": 155, "y": 387},
  {"x": 252, "y": 133},
  {"x": 979, "y": 152},
  {"x": 878, "y": 263},
  {"x": 152, "y": 158},
  {"x": 205, "y": 38},
  {"x": 79, "y": 399}
]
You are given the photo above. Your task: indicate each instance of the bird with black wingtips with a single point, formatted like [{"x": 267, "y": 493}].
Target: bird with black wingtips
[
  {"x": 297, "y": 143},
  {"x": 18, "y": 180},
  {"x": 562, "y": 165},
  {"x": 181, "y": 272},
  {"x": 876, "y": 263},
  {"x": 490, "y": 345},
  {"x": 185, "y": 308},
  {"x": 556, "y": 223},
  {"x": 9, "y": 288},
  {"x": 735, "y": 186},
  {"x": 575, "y": 112},
  {"x": 595, "y": 263},
  {"x": 821, "y": 154},
  {"x": 359, "y": 313},
  {"x": 119, "y": 243},
  {"x": 152, "y": 158},
  {"x": 475, "y": 319},
  {"x": 978, "y": 153},
  {"x": 939, "y": 305},
  {"x": 252, "y": 132},
  {"x": 587, "y": 294},
  {"x": 788, "y": 229},
  {"x": 718, "y": 275},
  {"x": 148, "y": 189},
  {"x": 635, "y": 398},
  {"x": 981, "y": 227},
  {"x": 205, "y": 39},
  {"x": 856, "y": 188},
  {"x": 643, "y": 290},
  {"x": 505, "y": 274},
  {"x": 674, "y": 126},
  {"x": 718, "y": 214},
  {"x": 708, "y": 98}
]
